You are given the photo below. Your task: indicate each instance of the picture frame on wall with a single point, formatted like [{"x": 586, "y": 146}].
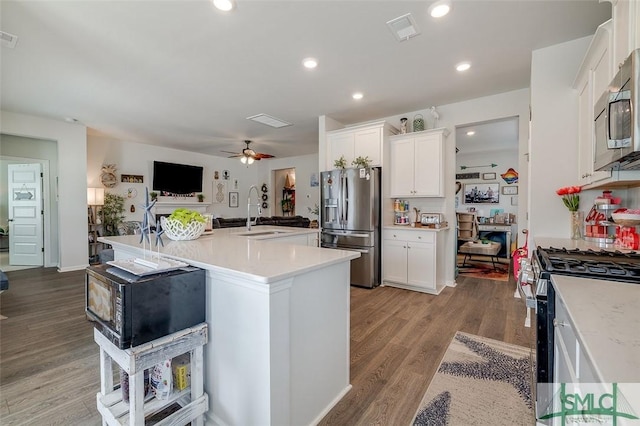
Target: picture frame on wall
[
  {"x": 510, "y": 190},
  {"x": 233, "y": 199},
  {"x": 481, "y": 193},
  {"x": 488, "y": 176}
]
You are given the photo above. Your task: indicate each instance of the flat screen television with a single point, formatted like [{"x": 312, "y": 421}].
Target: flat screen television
[{"x": 177, "y": 178}]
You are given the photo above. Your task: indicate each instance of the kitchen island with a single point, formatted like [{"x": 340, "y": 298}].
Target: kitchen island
[{"x": 278, "y": 318}]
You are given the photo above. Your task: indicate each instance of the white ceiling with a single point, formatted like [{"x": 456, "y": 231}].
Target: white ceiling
[{"x": 184, "y": 75}]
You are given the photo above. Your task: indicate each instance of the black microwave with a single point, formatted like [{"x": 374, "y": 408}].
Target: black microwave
[
  {"x": 616, "y": 120},
  {"x": 131, "y": 310}
]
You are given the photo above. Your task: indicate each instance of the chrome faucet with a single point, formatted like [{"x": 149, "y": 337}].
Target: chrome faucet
[{"x": 249, "y": 207}]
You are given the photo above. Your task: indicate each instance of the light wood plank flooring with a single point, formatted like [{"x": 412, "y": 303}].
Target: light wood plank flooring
[{"x": 49, "y": 366}]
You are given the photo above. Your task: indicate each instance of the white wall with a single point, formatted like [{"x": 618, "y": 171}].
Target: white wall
[
  {"x": 504, "y": 159},
  {"x": 509, "y": 104},
  {"x": 306, "y": 195},
  {"x": 136, "y": 158},
  {"x": 21, "y": 150},
  {"x": 554, "y": 136},
  {"x": 72, "y": 177}
]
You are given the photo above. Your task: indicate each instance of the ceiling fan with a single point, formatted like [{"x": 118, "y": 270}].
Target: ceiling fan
[{"x": 248, "y": 155}]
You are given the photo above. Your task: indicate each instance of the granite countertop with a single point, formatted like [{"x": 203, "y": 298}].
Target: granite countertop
[
  {"x": 606, "y": 316},
  {"x": 251, "y": 257}
]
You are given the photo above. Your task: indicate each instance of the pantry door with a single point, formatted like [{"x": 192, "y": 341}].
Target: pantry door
[{"x": 26, "y": 243}]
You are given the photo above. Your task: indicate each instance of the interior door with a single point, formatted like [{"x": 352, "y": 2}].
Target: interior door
[{"x": 25, "y": 214}]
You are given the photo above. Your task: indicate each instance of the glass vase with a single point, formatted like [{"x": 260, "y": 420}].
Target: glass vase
[{"x": 576, "y": 225}]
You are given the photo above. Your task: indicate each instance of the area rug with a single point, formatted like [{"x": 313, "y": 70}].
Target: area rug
[
  {"x": 483, "y": 269},
  {"x": 480, "y": 381}
]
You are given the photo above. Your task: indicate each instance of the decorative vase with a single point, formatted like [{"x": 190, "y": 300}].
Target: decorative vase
[
  {"x": 576, "y": 225},
  {"x": 418, "y": 123}
]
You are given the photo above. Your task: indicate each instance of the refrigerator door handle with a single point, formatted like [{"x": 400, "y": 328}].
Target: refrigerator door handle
[
  {"x": 363, "y": 251},
  {"x": 345, "y": 234}
]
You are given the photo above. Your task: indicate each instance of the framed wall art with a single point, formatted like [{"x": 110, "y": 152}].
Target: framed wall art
[
  {"x": 233, "y": 199},
  {"x": 509, "y": 190},
  {"x": 488, "y": 176},
  {"x": 481, "y": 193}
]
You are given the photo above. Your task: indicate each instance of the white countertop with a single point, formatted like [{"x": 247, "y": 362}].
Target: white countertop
[
  {"x": 252, "y": 257},
  {"x": 568, "y": 243},
  {"x": 415, "y": 228},
  {"x": 606, "y": 315}
]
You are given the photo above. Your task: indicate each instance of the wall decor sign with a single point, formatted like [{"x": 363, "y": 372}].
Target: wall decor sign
[
  {"x": 509, "y": 190},
  {"x": 233, "y": 199},
  {"x": 219, "y": 192},
  {"x": 488, "y": 176},
  {"x": 481, "y": 165},
  {"x": 481, "y": 193},
  {"x": 467, "y": 175},
  {"x": 132, "y": 178},
  {"x": 510, "y": 176}
]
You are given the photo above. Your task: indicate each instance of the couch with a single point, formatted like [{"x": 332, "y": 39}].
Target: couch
[
  {"x": 4, "y": 285},
  {"x": 294, "y": 221}
]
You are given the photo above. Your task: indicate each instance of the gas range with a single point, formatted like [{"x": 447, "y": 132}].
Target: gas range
[{"x": 597, "y": 264}]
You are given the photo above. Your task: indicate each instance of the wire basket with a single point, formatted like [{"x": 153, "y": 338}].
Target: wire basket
[{"x": 176, "y": 231}]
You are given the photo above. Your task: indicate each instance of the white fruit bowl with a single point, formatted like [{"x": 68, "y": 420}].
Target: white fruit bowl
[
  {"x": 626, "y": 219},
  {"x": 176, "y": 231}
]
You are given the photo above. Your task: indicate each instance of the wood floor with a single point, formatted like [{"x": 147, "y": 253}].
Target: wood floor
[{"x": 49, "y": 366}]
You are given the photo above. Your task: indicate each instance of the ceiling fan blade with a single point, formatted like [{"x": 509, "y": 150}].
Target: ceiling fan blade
[
  {"x": 260, "y": 156},
  {"x": 232, "y": 152},
  {"x": 235, "y": 156}
]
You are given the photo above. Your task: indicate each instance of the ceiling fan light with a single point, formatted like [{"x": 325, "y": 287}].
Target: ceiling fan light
[
  {"x": 243, "y": 159},
  {"x": 250, "y": 160}
]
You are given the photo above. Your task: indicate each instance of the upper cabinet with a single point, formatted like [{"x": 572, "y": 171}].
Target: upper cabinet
[
  {"x": 417, "y": 164},
  {"x": 593, "y": 78},
  {"x": 366, "y": 140},
  {"x": 626, "y": 29}
]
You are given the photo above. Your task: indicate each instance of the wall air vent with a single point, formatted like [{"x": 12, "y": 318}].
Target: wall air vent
[
  {"x": 404, "y": 27},
  {"x": 269, "y": 120},
  {"x": 8, "y": 40}
]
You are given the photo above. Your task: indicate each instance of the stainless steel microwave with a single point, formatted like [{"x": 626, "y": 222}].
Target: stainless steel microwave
[{"x": 617, "y": 137}]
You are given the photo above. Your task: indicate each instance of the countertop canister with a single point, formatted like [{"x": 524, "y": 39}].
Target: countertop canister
[{"x": 418, "y": 123}]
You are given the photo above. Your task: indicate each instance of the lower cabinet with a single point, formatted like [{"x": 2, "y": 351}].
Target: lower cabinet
[{"x": 411, "y": 261}]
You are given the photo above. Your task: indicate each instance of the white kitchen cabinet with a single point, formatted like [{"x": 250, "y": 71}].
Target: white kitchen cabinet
[
  {"x": 626, "y": 29},
  {"x": 417, "y": 164},
  {"x": 593, "y": 79},
  {"x": 365, "y": 140},
  {"x": 410, "y": 260}
]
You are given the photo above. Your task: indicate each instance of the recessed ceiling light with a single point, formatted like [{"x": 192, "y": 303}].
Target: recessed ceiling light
[
  {"x": 310, "y": 63},
  {"x": 224, "y": 5},
  {"x": 471, "y": 132},
  {"x": 463, "y": 66},
  {"x": 357, "y": 96},
  {"x": 440, "y": 8}
]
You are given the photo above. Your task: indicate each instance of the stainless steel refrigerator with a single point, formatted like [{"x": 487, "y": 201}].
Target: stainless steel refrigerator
[{"x": 350, "y": 219}]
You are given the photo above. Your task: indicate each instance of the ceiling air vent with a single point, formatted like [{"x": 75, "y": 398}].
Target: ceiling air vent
[
  {"x": 269, "y": 120},
  {"x": 404, "y": 27},
  {"x": 8, "y": 40}
]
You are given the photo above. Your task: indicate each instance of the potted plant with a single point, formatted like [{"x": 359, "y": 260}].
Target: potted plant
[
  {"x": 153, "y": 195},
  {"x": 340, "y": 163},
  {"x": 112, "y": 213},
  {"x": 361, "y": 162},
  {"x": 200, "y": 197}
]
